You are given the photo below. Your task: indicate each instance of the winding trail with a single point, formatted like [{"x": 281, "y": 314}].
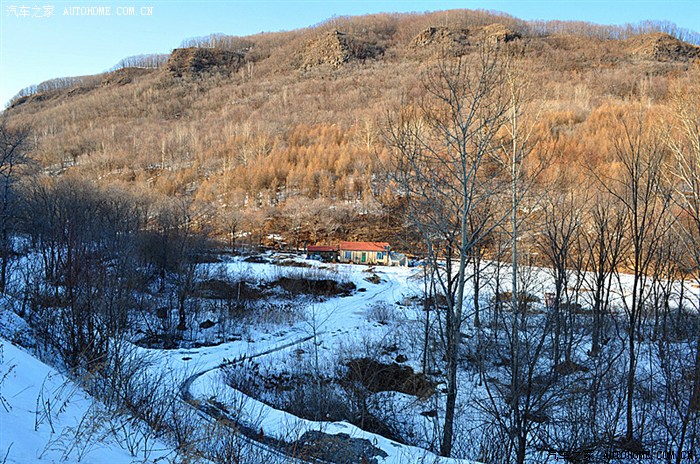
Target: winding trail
[{"x": 274, "y": 446}]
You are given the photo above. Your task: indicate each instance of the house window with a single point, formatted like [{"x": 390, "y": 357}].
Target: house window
[
  {"x": 348, "y": 255},
  {"x": 380, "y": 255},
  {"x": 364, "y": 257}
]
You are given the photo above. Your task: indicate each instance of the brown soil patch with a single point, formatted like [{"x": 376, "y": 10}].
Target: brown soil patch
[
  {"x": 124, "y": 76},
  {"x": 378, "y": 377},
  {"x": 316, "y": 287}
]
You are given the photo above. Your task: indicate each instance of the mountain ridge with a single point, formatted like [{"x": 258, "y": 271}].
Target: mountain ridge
[{"x": 258, "y": 126}]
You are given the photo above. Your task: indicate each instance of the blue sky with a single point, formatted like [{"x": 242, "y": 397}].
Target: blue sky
[{"x": 35, "y": 48}]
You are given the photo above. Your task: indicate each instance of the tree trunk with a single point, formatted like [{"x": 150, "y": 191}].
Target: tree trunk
[
  {"x": 477, "y": 284},
  {"x": 695, "y": 398},
  {"x": 448, "y": 430},
  {"x": 630, "y": 383},
  {"x": 427, "y": 302},
  {"x": 522, "y": 447},
  {"x": 182, "y": 314},
  {"x": 597, "y": 319},
  {"x": 453, "y": 325},
  {"x": 557, "y": 323}
]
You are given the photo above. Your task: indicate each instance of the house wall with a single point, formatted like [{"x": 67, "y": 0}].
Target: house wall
[
  {"x": 326, "y": 256},
  {"x": 370, "y": 257}
]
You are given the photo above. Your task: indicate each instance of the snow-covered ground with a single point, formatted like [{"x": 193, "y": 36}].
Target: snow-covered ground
[
  {"x": 336, "y": 322},
  {"x": 348, "y": 322},
  {"x": 47, "y": 418}
]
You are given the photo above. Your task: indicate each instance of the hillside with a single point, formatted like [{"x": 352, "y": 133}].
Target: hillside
[{"x": 254, "y": 127}]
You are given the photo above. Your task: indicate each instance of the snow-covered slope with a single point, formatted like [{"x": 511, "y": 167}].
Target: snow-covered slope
[{"x": 47, "y": 418}]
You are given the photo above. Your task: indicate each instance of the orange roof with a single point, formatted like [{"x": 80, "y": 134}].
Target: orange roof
[
  {"x": 320, "y": 248},
  {"x": 364, "y": 246}
]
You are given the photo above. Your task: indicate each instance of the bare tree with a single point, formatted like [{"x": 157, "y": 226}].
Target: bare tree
[
  {"x": 528, "y": 394},
  {"x": 443, "y": 150},
  {"x": 604, "y": 247},
  {"x": 177, "y": 238},
  {"x": 520, "y": 398},
  {"x": 86, "y": 238},
  {"x": 14, "y": 144},
  {"x": 645, "y": 200},
  {"x": 684, "y": 141},
  {"x": 230, "y": 222},
  {"x": 478, "y": 252},
  {"x": 685, "y": 145},
  {"x": 561, "y": 223}
]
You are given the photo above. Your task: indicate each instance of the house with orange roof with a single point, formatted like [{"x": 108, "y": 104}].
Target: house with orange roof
[
  {"x": 364, "y": 253},
  {"x": 325, "y": 253}
]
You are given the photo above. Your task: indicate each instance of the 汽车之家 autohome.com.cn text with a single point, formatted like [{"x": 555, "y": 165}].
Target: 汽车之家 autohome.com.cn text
[{"x": 108, "y": 11}]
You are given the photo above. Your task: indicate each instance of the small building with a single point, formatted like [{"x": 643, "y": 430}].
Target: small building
[
  {"x": 364, "y": 253},
  {"x": 397, "y": 259},
  {"x": 325, "y": 253}
]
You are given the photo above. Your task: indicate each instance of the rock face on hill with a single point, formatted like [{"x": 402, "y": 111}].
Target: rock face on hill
[
  {"x": 457, "y": 41},
  {"x": 124, "y": 76},
  {"x": 495, "y": 33},
  {"x": 454, "y": 41},
  {"x": 194, "y": 61},
  {"x": 337, "y": 48},
  {"x": 661, "y": 47}
]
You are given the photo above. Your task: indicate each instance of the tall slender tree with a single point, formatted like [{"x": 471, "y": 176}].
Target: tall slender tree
[
  {"x": 526, "y": 340},
  {"x": 443, "y": 150},
  {"x": 14, "y": 145},
  {"x": 644, "y": 197},
  {"x": 561, "y": 223},
  {"x": 604, "y": 247},
  {"x": 684, "y": 142}
]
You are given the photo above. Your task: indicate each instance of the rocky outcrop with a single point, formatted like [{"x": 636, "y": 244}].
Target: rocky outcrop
[
  {"x": 457, "y": 41},
  {"x": 337, "y": 48},
  {"x": 194, "y": 61},
  {"x": 661, "y": 47}
]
